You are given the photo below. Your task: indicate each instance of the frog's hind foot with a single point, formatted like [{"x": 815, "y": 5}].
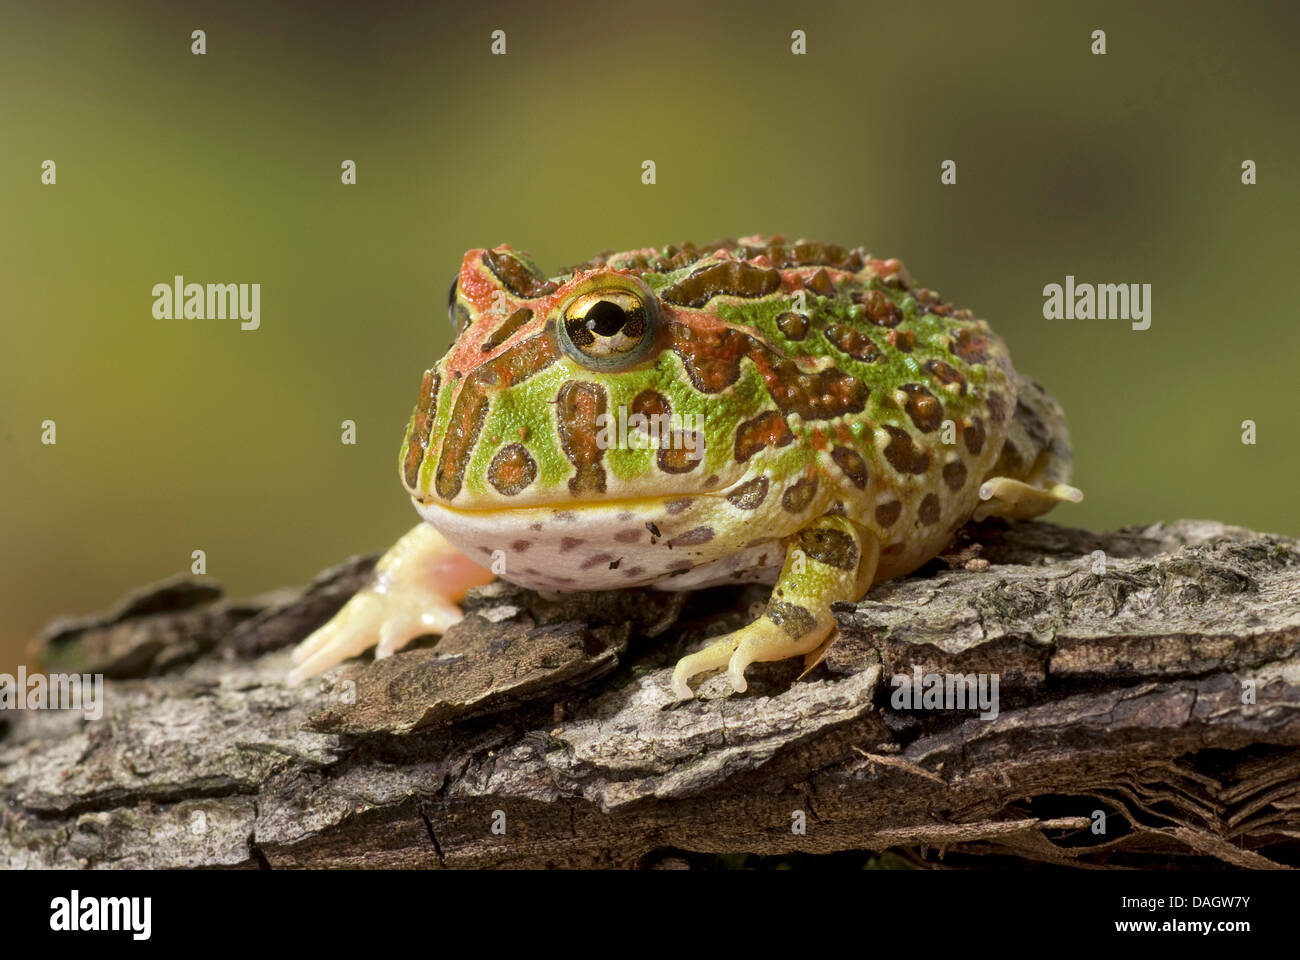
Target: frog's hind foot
[
  {"x": 413, "y": 592},
  {"x": 832, "y": 559},
  {"x": 1017, "y": 500}
]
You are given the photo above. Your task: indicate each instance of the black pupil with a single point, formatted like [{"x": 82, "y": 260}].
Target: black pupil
[{"x": 606, "y": 318}]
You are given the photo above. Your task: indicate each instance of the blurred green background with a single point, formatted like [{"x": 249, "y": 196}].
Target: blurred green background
[{"x": 190, "y": 434}]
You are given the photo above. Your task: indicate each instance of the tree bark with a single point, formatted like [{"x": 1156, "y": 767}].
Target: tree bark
[{"x": 1148, "y": 714}]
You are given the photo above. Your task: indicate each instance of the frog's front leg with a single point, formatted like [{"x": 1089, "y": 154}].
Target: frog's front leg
[
  {"x": 831, "y": 559},
  {"x": 413, "y": 591}
]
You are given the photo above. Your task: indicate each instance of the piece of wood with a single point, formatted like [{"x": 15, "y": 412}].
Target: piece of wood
[{"x": 1148, "y": 714}]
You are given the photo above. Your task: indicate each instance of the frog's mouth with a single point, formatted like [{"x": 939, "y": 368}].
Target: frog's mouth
[{"x": 597, "y": 546}]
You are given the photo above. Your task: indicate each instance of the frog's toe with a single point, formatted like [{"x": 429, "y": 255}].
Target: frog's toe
[
  {"x": 350, "y": 633},
  {"x": 411, "y": 594},
  {"x": 764, "y": 640},
  {"x": 383, "y": 620},
  {"x": 1005, "y": 497},
  {"x": 411, "y": 617},
  {"x": 717, "y": 654}
]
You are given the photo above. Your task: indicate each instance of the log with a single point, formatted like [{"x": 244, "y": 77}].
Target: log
[{"x": 1147, "y": 715}]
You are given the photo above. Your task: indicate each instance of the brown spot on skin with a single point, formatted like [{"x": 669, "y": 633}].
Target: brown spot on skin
[
  {"x": 711, "y": 357},
  {"x": 536, "y": 526},
  {"x": 887, "y": 514},
  {"x": 649, "y": 404},
  {"x": 681, "y": 566},
  {"x": 954, "y": 475},
  {"x": 835, "y": 548},
  {"x": 512, "y": 469},
  {"x": 851, "y": 462},
  {"x": 613, "y": 564},
  {"x": 823, "y": 395},
  {"x": 733, "y": 278},
  {"x": 749, "y": 495},
  {"x": 902, "y": 454},
  {"x": 519, "y": 546},
  {"x": 904, "y": 340},
  {"x": 577, "y": 408},
  {"x": 793, "y": 325},
  {"x": 712, "y": 481},
  {"x": 923, "y": 407},
  {"x": 426, "y": 411},
  {"x": 681, "y": 455},
  {"x": 795, "y": 620},
  {"x": 513, "y": 366},
  {"x": 674, "y": 507},
  {"x": 880, "y": 310},
  {"x": 997, "y": 407},
  {"x": 629, "y": 536},
  {"x": 654, "y": 530},
  {"x": 853, "y": 342},
  {"x": 768, "y": 429},
  {"x": 467, "y": 416},
  {"x": 786, "y": 256},
  {"x": 799, "y": 495},
  {"x": 820, "y": 283},
  {"x": 515, "y": 275},
  {"x": 692, "y": 538},
  {"x": 568, "y": 543},
  {"x": 507, "y": 329},
  {"x": 974, "y": 435},
  {"x": 631, "y": 571},
  {"x": 946, "y": 374},
  {"x": 970, "y": 345},
  {"x": 928, "y": 511},
  {"x": 595, "y": 560},
  {"x": 1011, "y": 461}
]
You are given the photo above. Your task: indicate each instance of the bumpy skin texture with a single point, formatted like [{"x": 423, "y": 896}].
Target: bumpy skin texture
[
  {"x": 843, "y": 402},
  {"x": 846, "y": 423}
]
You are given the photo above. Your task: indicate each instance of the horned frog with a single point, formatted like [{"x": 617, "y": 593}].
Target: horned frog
[{"x": 799, "y": 414}]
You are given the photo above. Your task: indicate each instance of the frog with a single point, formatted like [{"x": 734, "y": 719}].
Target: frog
[{"x": 797, "y": 413}]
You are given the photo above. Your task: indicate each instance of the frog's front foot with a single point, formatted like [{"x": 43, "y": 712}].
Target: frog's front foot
[
  {"x": 832, "y": 559},
  {"x": 413, "y": 592}
]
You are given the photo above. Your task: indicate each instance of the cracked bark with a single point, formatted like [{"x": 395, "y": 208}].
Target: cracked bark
[{"x": 1151, "y": 674}]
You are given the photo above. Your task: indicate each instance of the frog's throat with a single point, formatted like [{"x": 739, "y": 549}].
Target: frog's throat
[{"x": 673, "y": 542}]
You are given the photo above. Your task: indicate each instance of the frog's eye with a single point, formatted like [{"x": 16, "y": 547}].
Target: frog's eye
[
  {"x": 608, "y": 329},
  {"x": 456, "y": 312}
]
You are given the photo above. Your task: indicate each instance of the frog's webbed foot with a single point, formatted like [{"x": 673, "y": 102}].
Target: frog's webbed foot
[
  {"x": 413, "y": 592},
  {"x": 1004, "y": 497},
  {"x": 831, "y": 559}
]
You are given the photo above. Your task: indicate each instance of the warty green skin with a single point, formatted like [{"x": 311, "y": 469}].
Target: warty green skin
[{"x": 646, "y": 526}]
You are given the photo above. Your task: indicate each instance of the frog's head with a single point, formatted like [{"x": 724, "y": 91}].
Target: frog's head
[{"x": 615, "y": 380}]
